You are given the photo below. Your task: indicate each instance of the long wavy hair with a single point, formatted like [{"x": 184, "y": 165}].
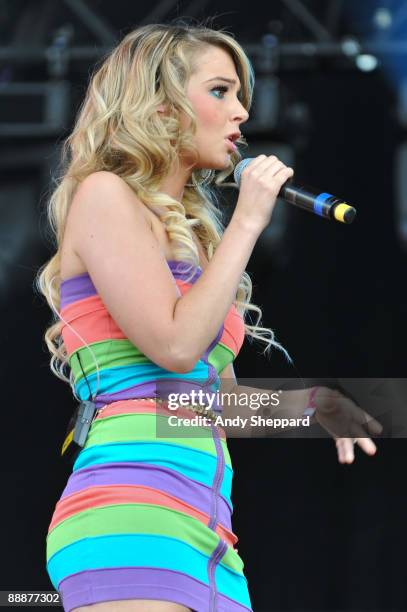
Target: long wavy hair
[{"x": 118, "y": 130}]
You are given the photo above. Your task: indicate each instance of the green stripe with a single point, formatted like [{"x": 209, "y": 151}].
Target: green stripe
[
  {"x": 220, "y": 356},
  {"x": 108, "y": 354},
  {"x": 132, "y": 518},
  {"x": 146, "y": 427}
]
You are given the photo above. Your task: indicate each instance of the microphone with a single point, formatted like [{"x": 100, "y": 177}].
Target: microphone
[{"x": 308, "y": 198}]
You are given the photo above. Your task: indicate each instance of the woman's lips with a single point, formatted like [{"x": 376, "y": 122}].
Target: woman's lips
[{"x": 231, "y": 144}]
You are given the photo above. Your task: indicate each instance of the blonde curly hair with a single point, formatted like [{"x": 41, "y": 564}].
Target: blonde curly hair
[{"x": 118, "y": 130}]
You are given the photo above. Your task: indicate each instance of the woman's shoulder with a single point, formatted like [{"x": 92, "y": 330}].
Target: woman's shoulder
[
  {"x": 103, "y": 183},
  {"x": 100, "y": 190},
  {"x": 90, "y": 199},
  {"x": 93, "y": 194}
]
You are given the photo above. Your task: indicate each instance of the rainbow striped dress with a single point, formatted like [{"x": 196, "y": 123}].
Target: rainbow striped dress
[{"x": 146, "y": 513}]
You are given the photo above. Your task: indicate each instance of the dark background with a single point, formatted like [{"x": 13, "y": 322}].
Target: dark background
[{"x": 314, "y": 534}]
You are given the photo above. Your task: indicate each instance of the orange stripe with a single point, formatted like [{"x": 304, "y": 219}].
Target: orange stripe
[
  {"x": 82, "y": 307},
  {"x": 234, "y": 332},
  {"x": 89, "y": 304},
  {"x": 90, "y": 319},
  {"x": 94, "y": 323},
  {"x": 93, "y": 497},
  {"x": 183, "y": 286}
]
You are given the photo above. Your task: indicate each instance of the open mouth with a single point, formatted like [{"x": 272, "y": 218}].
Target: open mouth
[{"x": 231, "y": 144}]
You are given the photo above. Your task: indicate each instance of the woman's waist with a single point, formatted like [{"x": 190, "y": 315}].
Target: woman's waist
[
  {"x": 130, "y": 382},
  {"x": 177, "y": 391},
  {"x": 193, "y": 414},
  {"x": 147, "y": 429}
]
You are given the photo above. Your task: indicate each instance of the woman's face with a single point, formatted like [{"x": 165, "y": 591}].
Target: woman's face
[{"x": 218, "y": 110}]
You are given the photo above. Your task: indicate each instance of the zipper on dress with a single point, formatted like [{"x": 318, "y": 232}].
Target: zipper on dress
[
  {"x": 218, "y": 476},
  {"x": 213, "y": 520},
  {"x": 212, "y": 581},
  {"x": 214, "y": 375}
]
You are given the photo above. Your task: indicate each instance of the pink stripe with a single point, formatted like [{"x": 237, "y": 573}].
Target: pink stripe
[
  {"x": 161, "y": 478},
  {"x": 94, "y": 497}
]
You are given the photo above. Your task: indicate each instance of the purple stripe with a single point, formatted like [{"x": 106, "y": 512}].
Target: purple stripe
[
  {"x": 81, "y": 286},
  {"x": 94, "y": 586},
  {"x": 160, "y": 388},
  {"x": 183, "y": 269},
  {"x": 76, "y": 288},
  {"x": 147, "y": 389},
  {"x": 158, "y": 477}
]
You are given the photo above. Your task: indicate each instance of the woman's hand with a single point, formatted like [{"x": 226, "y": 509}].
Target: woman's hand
[
  {"x": 346, "y": 422},
  {"x": 260, "y": 184}
]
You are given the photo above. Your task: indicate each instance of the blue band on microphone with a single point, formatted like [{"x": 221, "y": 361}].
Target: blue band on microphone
[{"x": 323, "y": 197}]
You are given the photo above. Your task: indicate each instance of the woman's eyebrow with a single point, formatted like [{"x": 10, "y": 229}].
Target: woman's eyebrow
[{"x": 220, "y": 78}]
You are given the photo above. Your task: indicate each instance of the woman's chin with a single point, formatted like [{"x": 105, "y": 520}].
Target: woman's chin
[
  {"x": 222, "y": 165},
  {"x": 215, "y": 164}
]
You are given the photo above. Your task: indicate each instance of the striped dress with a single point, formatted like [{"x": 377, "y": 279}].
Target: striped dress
[{"x": 146, "y": 512}]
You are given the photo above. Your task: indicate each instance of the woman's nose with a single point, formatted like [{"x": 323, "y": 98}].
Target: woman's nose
[{"x": 242, "y": 113}]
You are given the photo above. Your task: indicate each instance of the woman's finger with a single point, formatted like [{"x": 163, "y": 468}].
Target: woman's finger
[
  {"x": 346, "y": 448},
  {"x": 346, "y": 453},
  {"x": 367, "y": 445}
]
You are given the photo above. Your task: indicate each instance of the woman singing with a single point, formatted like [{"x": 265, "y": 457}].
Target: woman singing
[{"x": 150, "y": 292}]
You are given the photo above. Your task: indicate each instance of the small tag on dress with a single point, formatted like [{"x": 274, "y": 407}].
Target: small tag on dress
[{"x": 78, "y": 429}]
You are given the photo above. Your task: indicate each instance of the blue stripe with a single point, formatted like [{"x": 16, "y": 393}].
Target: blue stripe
[
  {"x": 140, "y": 550},
  {"x": 318, "y": 202},
  {"x": 189, "y": 462},
  {"x": 117, "y": 379}
]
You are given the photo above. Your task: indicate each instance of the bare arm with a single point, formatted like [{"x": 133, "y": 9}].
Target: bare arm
[
  {"x": 125, "y": 262},
  {"x": 242, "y": 400},
  {"x": 208, "y": 302},
  {"x": 202, "y": 310},
  {"x": 337, "y": 414}
]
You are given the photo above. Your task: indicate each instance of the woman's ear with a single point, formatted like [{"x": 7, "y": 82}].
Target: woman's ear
[{"x": 161, "y": 108}]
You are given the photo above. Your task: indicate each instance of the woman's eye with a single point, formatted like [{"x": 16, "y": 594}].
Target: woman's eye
[{"x": 222, "y": 88}]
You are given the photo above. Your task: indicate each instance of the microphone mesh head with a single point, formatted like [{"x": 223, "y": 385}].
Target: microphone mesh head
[{"x": 239, "y": 169}]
